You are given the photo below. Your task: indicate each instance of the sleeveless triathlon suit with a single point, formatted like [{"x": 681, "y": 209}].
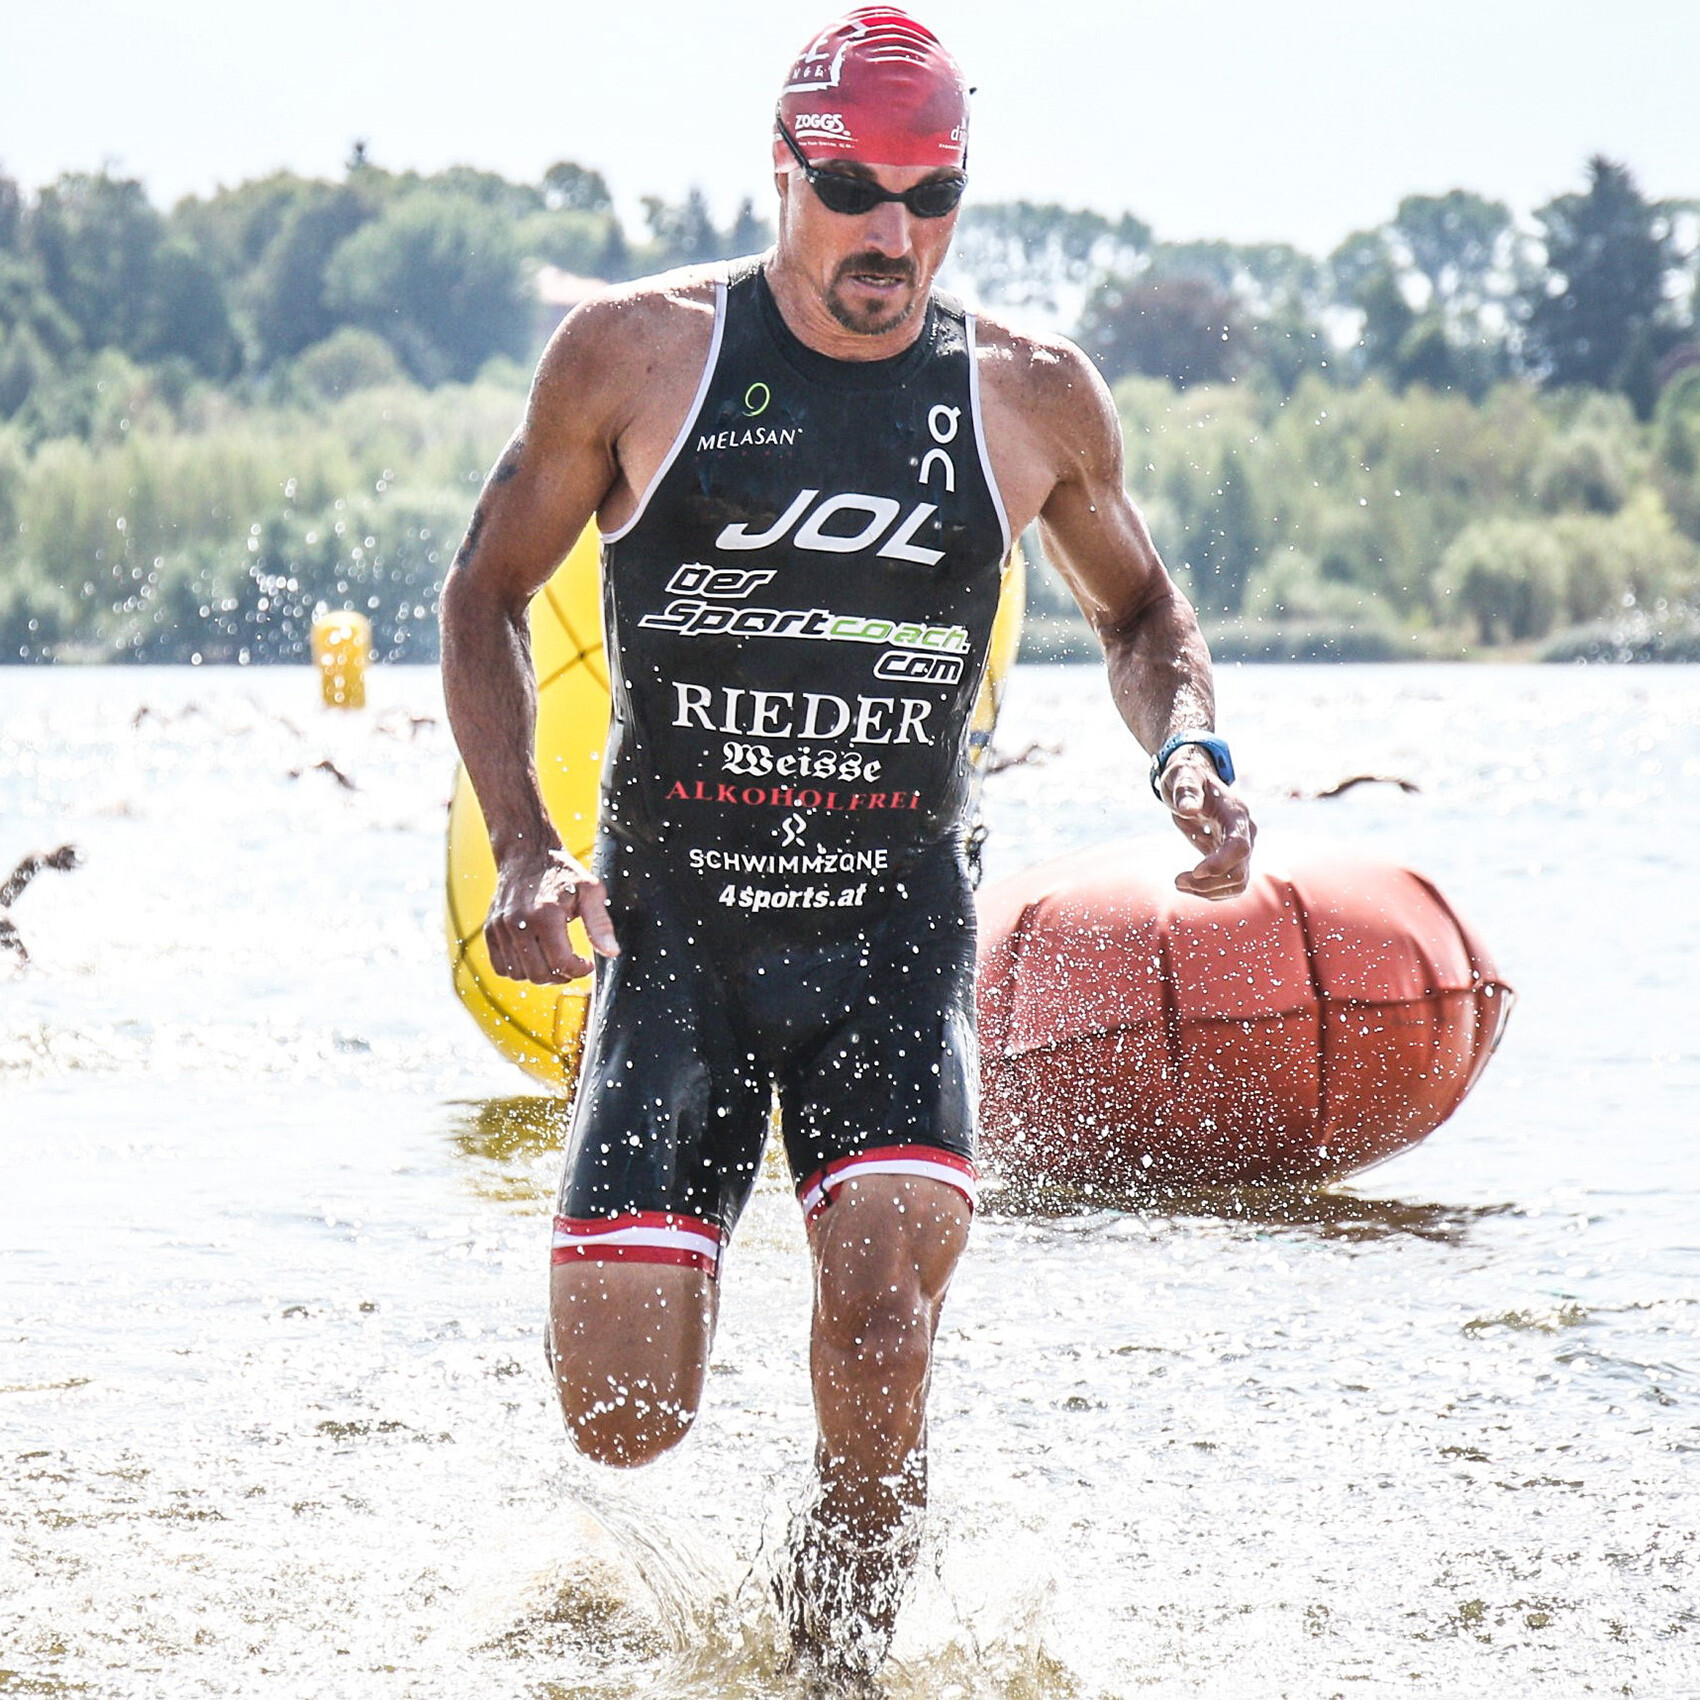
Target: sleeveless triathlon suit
[{"x": 797, "y": 620}]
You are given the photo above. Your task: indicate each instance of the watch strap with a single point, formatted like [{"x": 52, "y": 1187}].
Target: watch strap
[{"x": 1214, "y": 747}]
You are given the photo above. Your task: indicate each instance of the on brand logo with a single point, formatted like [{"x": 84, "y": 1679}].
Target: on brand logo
[{"x": 942, "y": 433}]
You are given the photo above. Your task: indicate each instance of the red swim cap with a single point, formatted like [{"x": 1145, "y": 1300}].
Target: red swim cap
[{"x": 878, "y": 88}]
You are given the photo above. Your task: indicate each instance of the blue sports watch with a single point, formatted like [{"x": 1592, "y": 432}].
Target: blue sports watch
[{"x": 1214, "y": 747}]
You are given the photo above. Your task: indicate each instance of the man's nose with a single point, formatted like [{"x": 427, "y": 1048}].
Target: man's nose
[{"x": 887, "y": 230}]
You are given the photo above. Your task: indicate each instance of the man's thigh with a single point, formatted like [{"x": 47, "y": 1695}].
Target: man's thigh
[
  {"x": 669, "y": 1110},
  {"x": 893, "y": 1087}
]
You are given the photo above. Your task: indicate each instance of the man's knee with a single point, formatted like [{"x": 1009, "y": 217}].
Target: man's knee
[
  {"x": 888, "y": 1325},
  {"x": 629, "y": 1350},
  {"x": 631, "y": 1422},
  {"x": 886, "y": 1248}
]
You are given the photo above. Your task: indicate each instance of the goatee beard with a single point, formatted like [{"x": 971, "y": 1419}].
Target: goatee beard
[{"x": 874, "y": 321}]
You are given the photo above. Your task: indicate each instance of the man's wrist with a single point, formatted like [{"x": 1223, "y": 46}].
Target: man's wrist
[
  {"x": 1212, "y": 748},
  {"x": 522, "y": 844}
]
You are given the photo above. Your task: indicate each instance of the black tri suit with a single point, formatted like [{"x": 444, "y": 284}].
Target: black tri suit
[{"x": 797, "y": 620}]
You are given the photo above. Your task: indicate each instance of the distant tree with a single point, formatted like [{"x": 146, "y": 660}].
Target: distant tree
[
  {"x": 1041, "y": 255},
  {"x": 26, "y": 304},
  {"x": 188, "y": 315},
  {"x": 96, "y": 236},
  {"x": 234, "y": 227},
  {"x": 1289, "y": 344},
  {"x": 1224, "y": 552},
  {"x": 1459, "y": 242},
  {"x": 749, "y": 234},
  {"x": 347, "y": 360},
  {"x": 1677, "y": 440},
  {"x": 25, "y": 366},
  {"x": 1266, "y": 278},
  {"x": 1426, "y": 354},
  {"x": 439, "y": 278},
  {"x": 1356, "y": 264},
  {"x": 1594, "y": 463},
  {"x": 1279, "y": 299},
  {"x": 11, "y": 214},
  {"x": 574, "y": 241},
  {"x": 1434, "y": 290},
  {"x": 517, "y": 200},
  {"x": 1388, "y": 319},
  {"x": 572, "y": 188},
  {"x": 1602, "y": 296},
  {"x": 615, "y": 260},
  {"x": 290, "y": 308},
  {"x": 1506, "y": 575},
  {"x": 1638, "y": 375},
  {"x": 1472, "y": 262},
  {"x": 1184, "y": 329},
  {"x": 683, "y": 235}
]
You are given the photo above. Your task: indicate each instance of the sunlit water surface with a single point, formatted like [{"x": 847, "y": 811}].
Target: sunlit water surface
[{"x": 273, "y": 1224}]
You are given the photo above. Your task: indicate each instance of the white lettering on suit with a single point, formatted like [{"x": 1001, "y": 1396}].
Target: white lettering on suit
[
  {"x": 773, "y": 714},
  {"x": 811, "y": 533}
]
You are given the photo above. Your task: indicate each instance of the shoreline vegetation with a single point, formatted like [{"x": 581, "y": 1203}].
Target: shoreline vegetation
[{"x": 1459, "y": 436}]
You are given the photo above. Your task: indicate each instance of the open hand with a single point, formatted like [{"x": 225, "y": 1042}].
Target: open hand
[
  {"x": 526, "y": 929},
  {"x": 1216, "y": 821}
]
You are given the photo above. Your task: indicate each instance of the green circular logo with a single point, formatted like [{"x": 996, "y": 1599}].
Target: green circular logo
[{"x": 756, "y": 398}]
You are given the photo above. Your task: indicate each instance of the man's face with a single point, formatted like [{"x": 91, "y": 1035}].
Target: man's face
[{"x": 871, "y": 271}]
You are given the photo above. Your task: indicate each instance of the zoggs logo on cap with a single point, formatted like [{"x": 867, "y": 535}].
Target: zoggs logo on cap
[{"x": 821, "y": 123}]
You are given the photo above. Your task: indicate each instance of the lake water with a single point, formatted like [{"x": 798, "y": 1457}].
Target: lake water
[{"x": 274, "y": 1418}]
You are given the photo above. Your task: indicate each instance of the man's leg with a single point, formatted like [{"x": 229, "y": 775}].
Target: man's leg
[
  {"x": 629, "y": 1345},
  {"x": 669, "y": 1116},
  {"x": 885, "y": 1249}
]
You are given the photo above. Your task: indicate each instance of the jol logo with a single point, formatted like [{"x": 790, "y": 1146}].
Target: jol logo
[{"x": 868, "y": 519}]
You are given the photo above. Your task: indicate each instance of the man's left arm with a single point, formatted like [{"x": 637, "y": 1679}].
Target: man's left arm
[{"x": 1158, "y": 662}]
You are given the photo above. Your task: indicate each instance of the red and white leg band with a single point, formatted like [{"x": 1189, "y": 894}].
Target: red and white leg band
[
  {"x": 816, "y": 1193},
  {"x": 639, "y": 1236}
]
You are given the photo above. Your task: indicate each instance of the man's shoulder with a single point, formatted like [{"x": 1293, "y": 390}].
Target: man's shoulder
[
  {"x": 1045, "y": 380},
  {"x": 640, "y": 309},
  {"x": 626, "y": 343},
  {"x": 1046, "y": 356}
]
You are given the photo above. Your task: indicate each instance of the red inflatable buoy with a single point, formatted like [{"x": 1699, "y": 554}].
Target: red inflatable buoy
[{"x": 1133, "y": 1036}]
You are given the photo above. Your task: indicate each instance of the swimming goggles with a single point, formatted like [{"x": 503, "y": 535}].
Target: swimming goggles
[{"x": 856, "y": 196}]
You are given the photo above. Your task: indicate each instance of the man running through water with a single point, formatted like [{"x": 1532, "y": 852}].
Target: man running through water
[{"x": 807, "y": 469}]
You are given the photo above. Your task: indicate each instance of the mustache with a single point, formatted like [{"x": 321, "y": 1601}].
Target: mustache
[{"x": 870, "y": 264}]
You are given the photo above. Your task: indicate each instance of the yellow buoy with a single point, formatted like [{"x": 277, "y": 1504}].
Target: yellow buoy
[
  {"x": 1005, "y": 645},
  {"x": 342, "y": 644},
  {"x": 539, "y": 1027},
  {"x": 542, "y": 1027}
]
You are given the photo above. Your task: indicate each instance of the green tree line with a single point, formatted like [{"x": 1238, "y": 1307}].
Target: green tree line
[
  {"x": 380, "y": 275},
  {"x": 1455, "y": 430}
]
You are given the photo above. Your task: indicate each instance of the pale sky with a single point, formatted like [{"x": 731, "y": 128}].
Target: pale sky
[{"x": 1243, "y": 119}]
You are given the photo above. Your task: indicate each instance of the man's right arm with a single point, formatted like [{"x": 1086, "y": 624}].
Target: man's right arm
[
  {"x": 550, "y": 479},
  {"x": 1057, "y": 409}
]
